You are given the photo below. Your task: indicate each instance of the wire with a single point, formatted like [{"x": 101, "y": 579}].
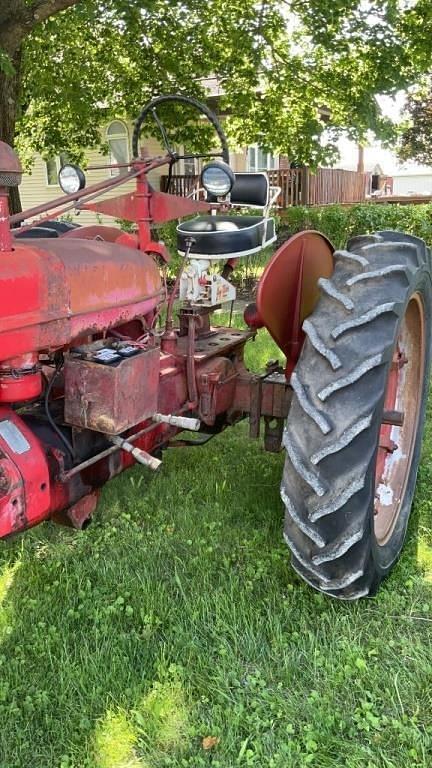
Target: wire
[{"x": 56, "y": 429}]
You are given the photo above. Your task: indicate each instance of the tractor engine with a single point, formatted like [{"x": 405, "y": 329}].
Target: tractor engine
[
  {"x": 59, "y": 377},
  {"x": 87, "y": 387}
]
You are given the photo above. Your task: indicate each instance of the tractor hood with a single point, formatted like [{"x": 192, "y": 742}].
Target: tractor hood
[{"x": 53, "y": 291}]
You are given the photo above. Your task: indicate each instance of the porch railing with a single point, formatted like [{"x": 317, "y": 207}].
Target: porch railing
[{"x": 299, "y": 186}]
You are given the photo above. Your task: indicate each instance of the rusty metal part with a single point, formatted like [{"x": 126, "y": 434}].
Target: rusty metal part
[
  {"x": 288, "y": 289},
  {"x": 276, "y": 394},
  {"x": 216, "y": 387},
  {"x": 170, "y": 306},
  {"x": 255, "y": 406},
  {"x": 273, "y": 432},
  {"x": 94, "y": 190},
  {"x": 394, "y": 418},
  {"x": 162, "y": 206},
  {"x": 79, "y": 515},
  {"x": 110, "y": 398},
  {"x": 218, "y": 341},
  {"x": 65, "y": 476},
  {"x": 10, "y": 167},
  {"x": 202, "y": 315},
  {"x": 190, "y": 365},
  {"x": 397, "y": 440}
]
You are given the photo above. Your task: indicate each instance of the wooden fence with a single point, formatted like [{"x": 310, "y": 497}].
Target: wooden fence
[
  {"x": 331, "y": 185},
  {"x": 299, "y": 186}
]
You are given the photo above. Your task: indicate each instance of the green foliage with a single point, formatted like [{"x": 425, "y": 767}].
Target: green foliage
[
  {"x": 416, "y": 140},
  {"x": 5, "y": 63},
  {"x": 339, "y": 223},
  {"x": 278, "y": 65}
]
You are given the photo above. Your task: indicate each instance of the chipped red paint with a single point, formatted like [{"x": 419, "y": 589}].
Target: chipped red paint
[
  {"x": 163, "y": 207},
  {"x": 5, "y": 233},
  {"x": 24, "y": 477},
  {"x": 55, "y": 291}
]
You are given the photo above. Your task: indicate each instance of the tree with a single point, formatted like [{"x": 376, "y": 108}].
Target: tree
[
  {"x": 416, "y": 141},
  {"x": 68, "y": 65},
  {"x": 17, "y": 21}
]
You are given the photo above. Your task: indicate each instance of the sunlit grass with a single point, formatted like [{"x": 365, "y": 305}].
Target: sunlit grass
[
  {"x": 115, "y": 742},
  {"x": 7, "y": 572}
]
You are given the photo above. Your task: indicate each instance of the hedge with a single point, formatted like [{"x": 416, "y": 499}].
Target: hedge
[{"x": 339, "y": 222}]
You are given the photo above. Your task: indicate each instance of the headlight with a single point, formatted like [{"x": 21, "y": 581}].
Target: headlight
[
  {"x": 71, "y": 179},
  {"x": 217, "y": 179}
]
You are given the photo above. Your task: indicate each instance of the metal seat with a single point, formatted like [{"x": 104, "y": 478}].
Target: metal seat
[{"x": 222, "y": 237}]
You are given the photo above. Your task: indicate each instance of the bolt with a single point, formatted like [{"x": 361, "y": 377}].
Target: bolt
[{"x": 4, "y": 481}]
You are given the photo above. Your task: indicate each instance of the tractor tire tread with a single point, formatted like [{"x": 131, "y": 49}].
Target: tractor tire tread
[{"x": 332, "y": 429}]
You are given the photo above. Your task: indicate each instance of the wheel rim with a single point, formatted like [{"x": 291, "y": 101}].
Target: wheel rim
[{"x": 402, "y": 407}]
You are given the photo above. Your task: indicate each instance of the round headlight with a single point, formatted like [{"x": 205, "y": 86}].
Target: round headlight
[
  {"x": 71, "y": 179},
  {"x": 217, "y": 179}
]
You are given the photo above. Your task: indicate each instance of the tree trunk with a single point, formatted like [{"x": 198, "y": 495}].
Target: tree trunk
[{"x": 10, "y": 90}]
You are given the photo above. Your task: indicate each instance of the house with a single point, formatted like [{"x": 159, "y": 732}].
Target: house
[
  {"x": 414, "y": 181},
  {"x": 386, "y": 174},
  {"x": 41, "y": 185}
]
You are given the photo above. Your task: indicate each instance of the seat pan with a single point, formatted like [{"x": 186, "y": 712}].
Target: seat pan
[{"x": 225, "y": 236}]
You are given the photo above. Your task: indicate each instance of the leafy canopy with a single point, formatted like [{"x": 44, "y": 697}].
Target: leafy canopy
[
  {"x": 281, "y": 64},
  {"x": 416, "y": 141}
]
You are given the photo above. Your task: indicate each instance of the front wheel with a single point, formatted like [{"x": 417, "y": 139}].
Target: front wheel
[{"x": 354, "y": 431}]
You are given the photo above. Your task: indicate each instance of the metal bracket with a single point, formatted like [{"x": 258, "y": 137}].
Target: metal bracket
[{"x": 273, "y": 432}]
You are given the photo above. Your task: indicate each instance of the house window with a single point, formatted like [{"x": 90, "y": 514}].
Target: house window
[
  {"x": 52, "y": 167},
  {"x": 118, "y": 143},
  {"x": 259, "y": 160},
  {"x": 192, "y": 166}
]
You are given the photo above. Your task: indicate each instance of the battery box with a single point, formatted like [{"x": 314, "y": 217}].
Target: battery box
[{"x": 111, "y": 385}]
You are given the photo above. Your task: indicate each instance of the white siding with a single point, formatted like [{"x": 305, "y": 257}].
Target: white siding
[
  {"x": 35, "y": 190},
  {"x": 420, "y": 184}
]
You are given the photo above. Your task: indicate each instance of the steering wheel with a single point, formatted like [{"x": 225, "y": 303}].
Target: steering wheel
[{"x": 150, "y": 108}]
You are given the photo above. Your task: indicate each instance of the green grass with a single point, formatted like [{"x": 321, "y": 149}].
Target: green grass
[{"x": 176, "y": 617}]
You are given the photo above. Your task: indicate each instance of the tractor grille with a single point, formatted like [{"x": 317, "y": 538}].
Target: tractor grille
[{"x": 11, "y": 179}]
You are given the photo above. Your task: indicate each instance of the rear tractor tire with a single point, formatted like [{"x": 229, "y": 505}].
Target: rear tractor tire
[{"x": 354, "y": 431}]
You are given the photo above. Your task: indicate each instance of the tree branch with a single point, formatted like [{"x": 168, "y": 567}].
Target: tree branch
[{"x": 40, "y": 10}]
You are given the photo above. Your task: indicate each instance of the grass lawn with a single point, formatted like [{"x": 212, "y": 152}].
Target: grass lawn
[{"x": 173, "y": 632}]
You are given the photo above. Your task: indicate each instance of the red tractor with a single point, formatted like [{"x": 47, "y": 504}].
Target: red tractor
[{"x": 90, "y": 382}]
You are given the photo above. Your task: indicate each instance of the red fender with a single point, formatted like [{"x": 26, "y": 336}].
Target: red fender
[{"x": 288, "y": 289}]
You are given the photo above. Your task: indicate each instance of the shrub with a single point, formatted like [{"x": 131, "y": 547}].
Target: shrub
[{"x": 339, "y": 222}]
